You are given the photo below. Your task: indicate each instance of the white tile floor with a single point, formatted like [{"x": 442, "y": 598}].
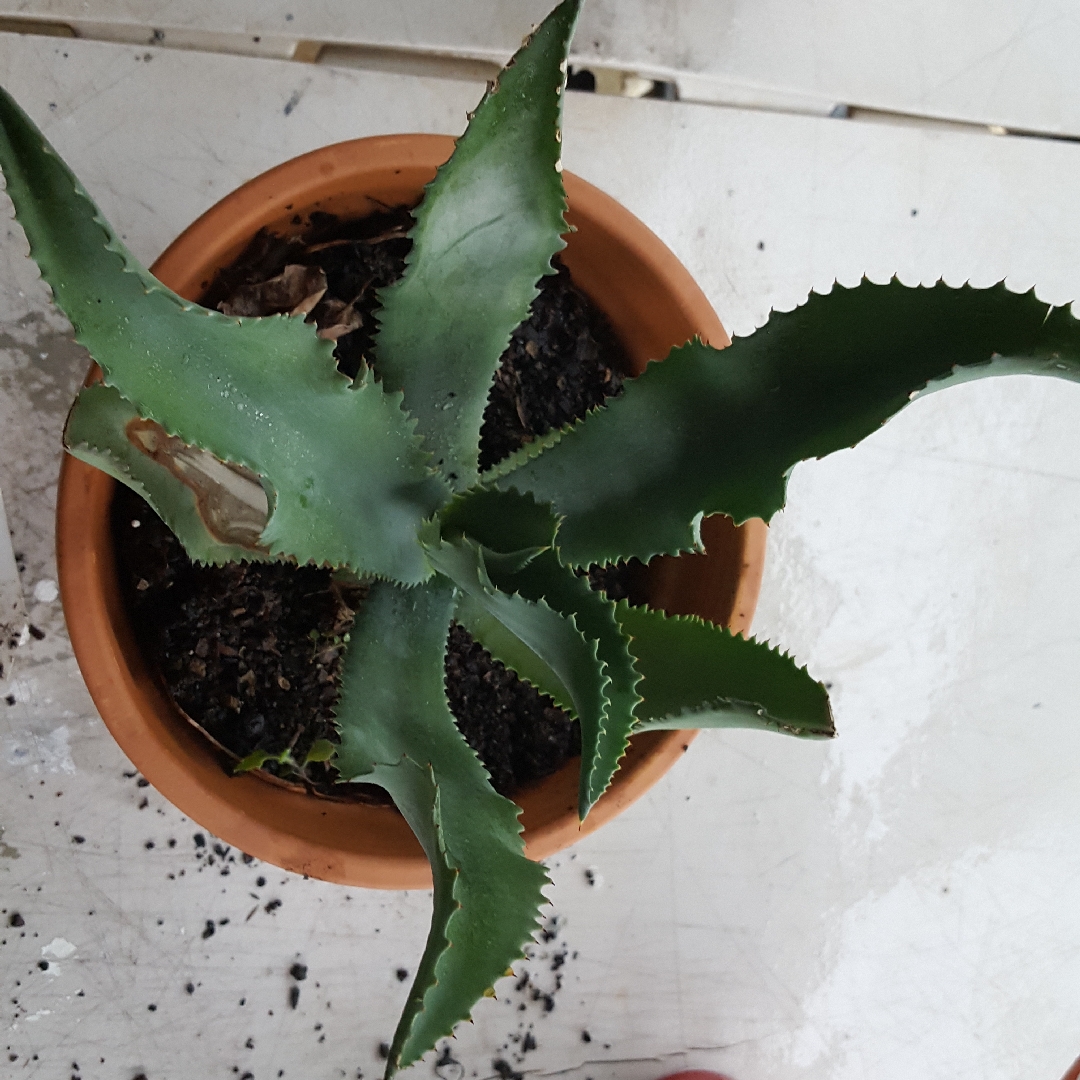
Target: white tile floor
[
  {"x": 1007, "y": 62},
  {"x": 899, "y": 903}
]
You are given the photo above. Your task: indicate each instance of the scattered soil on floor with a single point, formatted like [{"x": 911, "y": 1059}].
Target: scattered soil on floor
[{"x": 252, "y": 652}]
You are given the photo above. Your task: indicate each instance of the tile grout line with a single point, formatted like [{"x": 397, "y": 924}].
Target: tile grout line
[{"x": 611, "y": 80}]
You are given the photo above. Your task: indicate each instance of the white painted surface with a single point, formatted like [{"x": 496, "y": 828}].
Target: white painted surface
[
  {"x": 12, "y": 615},
  {"x": 13, "y": 628},
  {"x": 901, "y": 902},
  {"x": 1009, "y": 62}
]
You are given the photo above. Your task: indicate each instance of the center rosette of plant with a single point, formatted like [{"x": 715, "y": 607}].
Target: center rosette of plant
[{"x": 250, "y": 445}]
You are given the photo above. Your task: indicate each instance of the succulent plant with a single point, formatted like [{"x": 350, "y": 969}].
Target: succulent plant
[{"x": 250, "y": 445}]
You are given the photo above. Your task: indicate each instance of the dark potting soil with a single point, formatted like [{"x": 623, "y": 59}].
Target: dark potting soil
[{"x": 252, "y": 652}]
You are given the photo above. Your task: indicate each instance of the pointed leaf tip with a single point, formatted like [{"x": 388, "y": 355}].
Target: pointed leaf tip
[
  {"x": 498, "y": 206},
  {"x": 733, "y": 423},
  {"x": 397, "y": 731},
  {"x": 604, "y": 739},
  {"x": 697, "y": 674},
  {"x": 278, "y": 407}
]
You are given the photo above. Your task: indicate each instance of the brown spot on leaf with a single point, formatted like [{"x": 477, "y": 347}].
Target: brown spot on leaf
[{"x": 229, "y": 498}]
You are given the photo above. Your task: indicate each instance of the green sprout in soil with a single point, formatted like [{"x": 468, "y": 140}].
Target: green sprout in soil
[{"x": 378, "y": 477}]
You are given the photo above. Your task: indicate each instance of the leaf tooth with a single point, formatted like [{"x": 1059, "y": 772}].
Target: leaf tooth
[
  {"x": 697, "y": 620},
  {"x": 406, "y": 585},
  {"x": 605, "y": 710},
  {"x": 411, "y": 421},
  {"x": 534, "y": 449},
  {"x": 172, "y": 431},
  {"x": 523, "y": 454},
  {"x": 223, "y": 561},
  {"x": 689, "y": 712},
  {"x": 487, "y": 776},
  {"x": 594, "y": 643},
  {"x": 1002, "y": 284}
]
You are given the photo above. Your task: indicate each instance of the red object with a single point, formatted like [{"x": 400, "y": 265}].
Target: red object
[{"x": 705, "y": 1074}]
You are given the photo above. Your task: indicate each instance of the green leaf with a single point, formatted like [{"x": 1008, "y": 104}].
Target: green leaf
[
  {"x": 350, "y": 481},
  {"x": 258, "y": 758},
  {"x": 485, "y": 233},
  {"x": 512, "y": 529},
  {"x": 96, "y": 433},
  {"x": 540, "y": 644},
  {"x": 712, "y": 431},
  {"x": 499, "y": 521},
  {"x": 697, "y": 674},
  {"x": 397, "y": 731},
  {"x": 321, "y": 750},
  {"x": 509, "y": 526},
  {"x": 603, "y": 745}
]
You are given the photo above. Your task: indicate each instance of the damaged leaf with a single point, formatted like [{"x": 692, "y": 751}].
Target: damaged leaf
[
  {"x": 349, "y": 479},
  {"x": 229, "y": 498},
  {"x": 216, "y": 522}
]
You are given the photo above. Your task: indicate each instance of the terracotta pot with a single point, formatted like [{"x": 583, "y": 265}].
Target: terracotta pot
[{"x": 653, "y": 304}]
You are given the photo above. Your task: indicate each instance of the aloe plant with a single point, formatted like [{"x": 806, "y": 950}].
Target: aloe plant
[{"x": 249, "y": 444}]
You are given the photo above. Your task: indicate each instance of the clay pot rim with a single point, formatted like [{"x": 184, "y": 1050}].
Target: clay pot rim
[{"x": 125, "y": 694}]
